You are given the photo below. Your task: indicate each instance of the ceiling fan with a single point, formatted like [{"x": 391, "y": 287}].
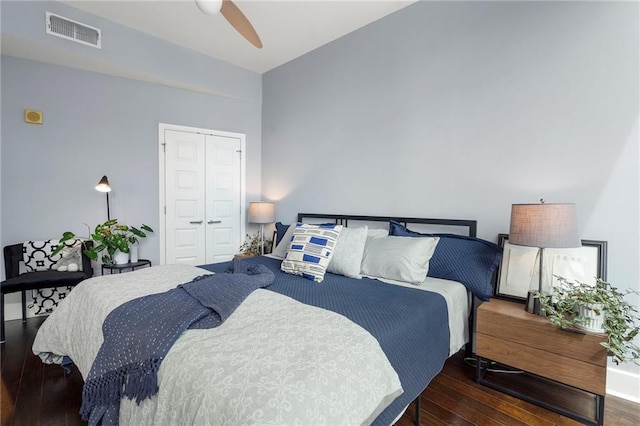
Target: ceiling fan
[{"x": 232, "y": 13}]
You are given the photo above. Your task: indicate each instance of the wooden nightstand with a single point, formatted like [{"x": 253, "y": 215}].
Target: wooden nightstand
[{"x": 508, "y": 335}]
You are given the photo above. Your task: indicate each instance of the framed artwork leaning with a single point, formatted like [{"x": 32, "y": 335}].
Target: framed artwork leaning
[{"x": 518, "y": 271}]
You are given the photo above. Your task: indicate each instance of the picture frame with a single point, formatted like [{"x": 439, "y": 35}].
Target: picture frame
[{"x": 519, "y": 269}]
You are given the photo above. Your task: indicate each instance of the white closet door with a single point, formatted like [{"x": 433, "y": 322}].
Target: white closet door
[
  {"x": 203, "y": 197},
  {"x": 185, "y": 198},
  {"x": 223, "y": 198}
]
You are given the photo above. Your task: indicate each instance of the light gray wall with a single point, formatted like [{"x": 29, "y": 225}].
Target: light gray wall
[
  {"x": 96, "y": 124},
  {"x": 458, "y": 110}
]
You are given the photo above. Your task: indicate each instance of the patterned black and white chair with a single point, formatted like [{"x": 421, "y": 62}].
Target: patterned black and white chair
[{"x": 30, "y": 266}]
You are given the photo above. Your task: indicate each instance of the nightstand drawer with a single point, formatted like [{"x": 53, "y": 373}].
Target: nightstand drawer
[
  {"x": 511, "y": 322},
  {"x": 581, "y": 374}
]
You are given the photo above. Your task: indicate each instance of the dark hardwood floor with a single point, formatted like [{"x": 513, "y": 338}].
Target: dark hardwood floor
[{"x": 37, "y": 394}]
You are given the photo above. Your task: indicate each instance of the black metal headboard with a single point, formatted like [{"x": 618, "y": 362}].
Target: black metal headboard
[{"x": 343, "y": 219}]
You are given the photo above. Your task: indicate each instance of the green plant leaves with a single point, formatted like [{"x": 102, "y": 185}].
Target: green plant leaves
[
  {"x": 620, "y": 317},
  {"x": 251, "y": 246},
  {"x": 110, "y": 236}
]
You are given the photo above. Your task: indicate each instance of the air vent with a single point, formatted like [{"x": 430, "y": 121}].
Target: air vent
[{"x": 72, "y": 30}]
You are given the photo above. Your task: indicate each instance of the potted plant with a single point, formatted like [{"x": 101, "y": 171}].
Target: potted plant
[
  {"x": 251, "y": 246},
  {"x": 110, "y": 236},
  {"x": 576, "y": 304}
]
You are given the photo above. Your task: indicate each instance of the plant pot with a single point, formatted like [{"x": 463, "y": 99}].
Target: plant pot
[
  {"x": 133, "y": 253},
  {"x": 120, "y": 258},
  {"x": 593, "y": 321}
]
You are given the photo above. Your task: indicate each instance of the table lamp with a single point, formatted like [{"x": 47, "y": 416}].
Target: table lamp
[
  {"x": 262, "y": 212},
  {"x": 544, "y": 226},
  {"x": 103, "y": 186}
]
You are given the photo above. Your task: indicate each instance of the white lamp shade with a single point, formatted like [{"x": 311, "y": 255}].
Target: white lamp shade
[
  {"x": 262, "y": 212},
  {"x": 544, "y": 225},
  {"x": 103, "y": 185}
]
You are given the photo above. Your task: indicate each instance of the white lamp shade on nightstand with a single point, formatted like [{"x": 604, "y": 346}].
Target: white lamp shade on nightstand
[
  {"x": 544, "y": 225},
  {"x": 262, "y": 212}
]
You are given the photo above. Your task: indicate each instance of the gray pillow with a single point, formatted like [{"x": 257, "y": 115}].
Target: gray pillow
[
  {"x": 398, "y": 258},
  {"x": 347, "y": 256}
]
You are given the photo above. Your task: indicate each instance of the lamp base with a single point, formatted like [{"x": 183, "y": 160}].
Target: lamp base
[{"x": 532, "y": 305}]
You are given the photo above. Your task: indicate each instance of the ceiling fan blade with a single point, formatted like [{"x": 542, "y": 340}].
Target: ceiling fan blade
[{"x": 240, "y": 22}]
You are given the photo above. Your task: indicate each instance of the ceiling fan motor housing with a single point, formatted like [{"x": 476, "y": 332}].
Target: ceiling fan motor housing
[{"x": 209, "y": 7}]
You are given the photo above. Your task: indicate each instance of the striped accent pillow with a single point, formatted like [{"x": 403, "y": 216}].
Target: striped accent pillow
[{"x": 311, "y": 250}]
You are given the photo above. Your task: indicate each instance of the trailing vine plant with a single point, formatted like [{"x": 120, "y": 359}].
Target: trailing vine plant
[{"x": 620, "y": 317}]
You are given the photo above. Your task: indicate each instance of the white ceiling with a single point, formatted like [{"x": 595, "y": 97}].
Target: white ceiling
[{"x": 287, "y": 28}]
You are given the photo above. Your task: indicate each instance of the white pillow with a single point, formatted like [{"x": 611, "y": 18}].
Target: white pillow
[
  {"x": 347, "y": 256},
  {"x": 311, "y": 250},
  {"x": 398, "y": 258},
  {"x": 376, "y": 233},
  {"x": 282, "y": 247}
]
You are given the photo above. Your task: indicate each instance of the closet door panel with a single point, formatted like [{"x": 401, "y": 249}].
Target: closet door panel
[
  {"x": 223, "y": 182},
  {"x": 185, "y": 198}
]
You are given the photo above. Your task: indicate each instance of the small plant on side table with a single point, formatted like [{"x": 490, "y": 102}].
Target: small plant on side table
[
  {"x": 110, "y": 236},
  {"x": 620, "y": 318},
  {"x": 251, "y": 246}
]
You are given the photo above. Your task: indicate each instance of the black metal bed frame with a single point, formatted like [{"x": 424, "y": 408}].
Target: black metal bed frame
[
  {"x": 343, "y": 219},
  {"x": 471, "y": 227}
]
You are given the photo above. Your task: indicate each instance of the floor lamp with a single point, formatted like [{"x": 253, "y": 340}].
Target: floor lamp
[
  {"x": 544, "y": 226},
  {"x": 103, "y": 186},
  {"x": 262, "y": 212}
]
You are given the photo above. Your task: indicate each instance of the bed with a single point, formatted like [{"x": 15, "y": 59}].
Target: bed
[{"x": 356, "y": 348}]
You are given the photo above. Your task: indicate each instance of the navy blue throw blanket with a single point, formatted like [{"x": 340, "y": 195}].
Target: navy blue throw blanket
[
  {"x": 411, "y": 325},
  {"x": 139, "y": 333}
]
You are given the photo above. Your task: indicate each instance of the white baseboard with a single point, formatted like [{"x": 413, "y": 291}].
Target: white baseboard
[
  {"x": 623, "y": 384},
  {"x": 13, "y": 311}
]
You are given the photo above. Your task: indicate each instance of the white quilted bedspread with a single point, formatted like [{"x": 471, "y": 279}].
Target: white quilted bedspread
[{"x": 274, "y": 361}]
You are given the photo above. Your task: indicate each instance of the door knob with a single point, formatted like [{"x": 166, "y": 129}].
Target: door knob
[
  {"x": 195, "y": 222},
  {"x": 213, "y": 221}
]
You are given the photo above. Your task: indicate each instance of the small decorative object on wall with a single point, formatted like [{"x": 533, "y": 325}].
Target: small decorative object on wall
[
  {"x": 112, "y": 237},
  {"x": 596, "y": 308},
  {"x": 519, "y": 270},
  {"x": 32, "y": 116}
]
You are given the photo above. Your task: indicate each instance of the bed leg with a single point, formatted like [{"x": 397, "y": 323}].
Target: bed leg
[{"x": 417, "y": 417}]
